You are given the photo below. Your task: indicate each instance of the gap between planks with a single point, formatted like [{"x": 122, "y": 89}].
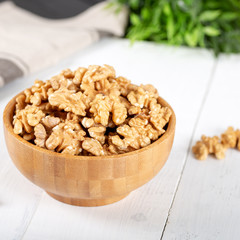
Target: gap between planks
[
  {"x": 34, "y": 212},
  {"x": 205, "y": 96}
]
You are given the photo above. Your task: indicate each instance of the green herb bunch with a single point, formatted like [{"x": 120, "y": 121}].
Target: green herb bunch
[{"x": 213, "y": 24}]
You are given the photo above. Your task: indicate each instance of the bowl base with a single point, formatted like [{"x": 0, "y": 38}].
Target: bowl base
[{"x": 86, "y": 202}]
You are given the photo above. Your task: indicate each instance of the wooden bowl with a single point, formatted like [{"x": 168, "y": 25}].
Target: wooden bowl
[{"x": 87, "y": 180}]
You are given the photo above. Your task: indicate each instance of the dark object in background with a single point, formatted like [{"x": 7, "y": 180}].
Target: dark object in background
[
  {"x": 55, "y": 9},
  {"x": 30, "y": 43}
]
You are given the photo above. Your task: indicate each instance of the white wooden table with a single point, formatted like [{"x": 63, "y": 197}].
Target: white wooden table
[{"x": 188, "y": 199}]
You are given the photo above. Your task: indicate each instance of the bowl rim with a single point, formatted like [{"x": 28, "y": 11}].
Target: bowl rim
[{"x": 9, "y": 127}]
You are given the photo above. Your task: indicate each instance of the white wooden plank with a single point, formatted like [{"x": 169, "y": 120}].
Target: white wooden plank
[
  {"x": 207, "y": 203},
  {"x": 18, "y": 197},
  {"x": 182, "y": 77}
]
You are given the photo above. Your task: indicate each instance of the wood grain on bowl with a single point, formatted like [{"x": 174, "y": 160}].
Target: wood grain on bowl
[{"x": 87, "y": 180}]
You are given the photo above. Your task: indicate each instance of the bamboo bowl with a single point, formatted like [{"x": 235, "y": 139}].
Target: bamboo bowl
[{"x": 87, "y": 180}]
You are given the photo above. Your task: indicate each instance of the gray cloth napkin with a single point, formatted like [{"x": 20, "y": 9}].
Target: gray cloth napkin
[{"x": 29, "y": 42}]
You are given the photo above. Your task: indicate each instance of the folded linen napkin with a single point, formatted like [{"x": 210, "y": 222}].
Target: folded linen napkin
[{"x": 29, "y": 42}]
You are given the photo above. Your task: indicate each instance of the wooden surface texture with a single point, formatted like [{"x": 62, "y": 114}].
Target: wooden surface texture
[{"x": 187, "y": 199}]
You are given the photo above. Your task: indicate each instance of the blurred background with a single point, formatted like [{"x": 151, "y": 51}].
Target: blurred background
[
  {"x": 47, "y": 31},
  {"x": 205, "y": 23},
  {"x": 188, "y": 49}
]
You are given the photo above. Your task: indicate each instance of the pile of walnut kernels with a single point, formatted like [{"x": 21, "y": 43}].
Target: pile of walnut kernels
[
  {"x": 217, "y": 146},
  {"x": 89, "y": 112}
]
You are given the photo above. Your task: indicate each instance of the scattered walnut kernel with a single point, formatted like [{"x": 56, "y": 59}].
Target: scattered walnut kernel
[
  {"x": 63, "y": 81},
  {"x": 200, "y": 151},
  {"x": 40, "y": 134},
  {"x": 72, "y": 117},
  {"x": 66, "y": 138},
  {"x": 90, "y": 111},
  {"x": 210, "y": 142},
  {"x": 18, "y": 126},
  {"x": 134, "y": 137},
  {"x": 119, "y": 113},
  {"x": 219, "y": 151},
  {"x": 238, "y": 139},
  {"x": 50, "y": 121},
  {"x": 28, "y": 136},
  {"x": 150, "y": 88},
  {"x": 69, "y": 102},
  {"x": 87, "y": 122},
  {"x": 138, "y": 97},
  {"x": 133, "y": 110},
  {"x": 215, "y": 145},
  {"x": 39, "y": 92},
  {"x": 93, "y": 146},
  {"x": 98, "y": 133},
  {"x": 67, "y": 73},
  {"x": 34, "y": 118},
  {"x": 28, "y": 94},
  {"x": 123, "y": 85},
  {"x": 101, "y": 107},
  {"x": 25, "y": 119},
  {"x": 20, "y": 102},
  {"x": 96, "y": 81},
  {"x": 79, "y": 73},
  {"x": 229, "y": 138}
]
